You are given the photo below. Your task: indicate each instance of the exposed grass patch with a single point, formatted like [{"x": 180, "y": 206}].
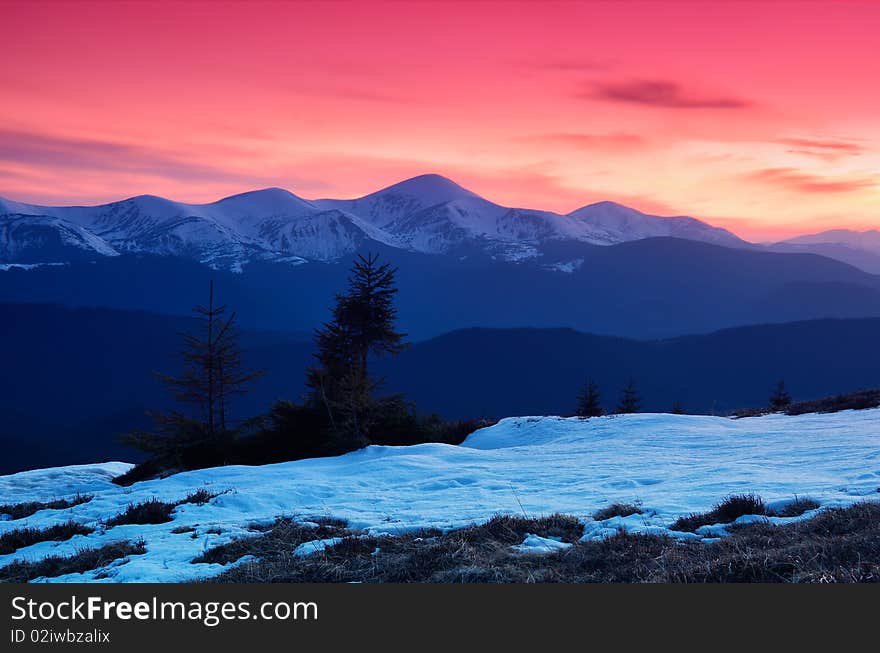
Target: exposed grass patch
[
  {"x": 729, "y": 510},
  {"x": 151, "y": 511},
  {"x": 199, "y": 497},
  {"x": 841, "y": 545},
  {"x": 155, "y": 511},
  {"x": 183, "y": 529},
  {"x": 796, "y": 508},
  {"x": 280, "y": 539},
  {"x": 508, "y": 529},
  {"x": 617, "y": 510},
  {"x": 26, "y": 509},
  {"x": 11, "y": 541},
  {"x": 82, "y": 561},
  {"x": 411, "y": 557}
]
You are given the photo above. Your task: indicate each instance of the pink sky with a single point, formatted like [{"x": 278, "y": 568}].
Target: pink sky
[{"x": 760, "y": 117}]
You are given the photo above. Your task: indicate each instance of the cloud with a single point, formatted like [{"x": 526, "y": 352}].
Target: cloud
[
  {"x": 619, "y": 141},
  {"x": 659, "y": 93},
  {"x": 824, "y": 149},
  {"x": 793, "y": 179},
  {"x": 48, "y": 152}
]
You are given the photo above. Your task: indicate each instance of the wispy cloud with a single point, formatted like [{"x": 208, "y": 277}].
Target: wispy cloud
[
  {"x": 46, "y": 150},
  {"x": 49, "y": 151},
  {"x": 828, "y": 150},
  {"x": 659, "y": 93},
  {"x": 797, "y": 180}
]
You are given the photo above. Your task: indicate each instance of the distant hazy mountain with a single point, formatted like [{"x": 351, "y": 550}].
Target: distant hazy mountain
[
  {"x": 858, "y": 248},
  {"x": 426, "y": 214},
  {"x": 867, "y": 240},
  {"x": 649, "y": 288},
  {"x": 72, "y": 379}
]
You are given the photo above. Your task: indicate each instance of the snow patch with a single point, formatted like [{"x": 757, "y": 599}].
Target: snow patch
[{"x": 540, "y": 545}]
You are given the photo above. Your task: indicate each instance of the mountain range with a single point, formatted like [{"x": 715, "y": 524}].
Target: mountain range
[
  {"x": 462, "y": 262},
  {"x": 427, "y": 214}
]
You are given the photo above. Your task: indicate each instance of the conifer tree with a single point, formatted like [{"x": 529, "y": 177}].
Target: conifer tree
[
  {"x": 589, "y": 403},
  {"x": 780, "y": 399},
  {"x": 213, "y": 372},
  {"x": 630, "y": 401},
  {"x": 363, "y": 325}
]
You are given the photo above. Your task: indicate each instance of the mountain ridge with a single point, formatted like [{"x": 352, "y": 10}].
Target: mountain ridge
[
  {"x": 103, "y": 383},
  {"x": 427, "y": 214}
]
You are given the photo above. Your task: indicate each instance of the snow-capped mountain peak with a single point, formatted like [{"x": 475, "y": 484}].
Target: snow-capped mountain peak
[
  {"x": 616, "y": 223},
  {"x": 429, "y": 189},
  {"x": 428, "y": 214}
]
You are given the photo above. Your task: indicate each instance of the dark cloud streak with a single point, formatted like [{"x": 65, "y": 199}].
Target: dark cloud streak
[{"x": 659, "y": 93}]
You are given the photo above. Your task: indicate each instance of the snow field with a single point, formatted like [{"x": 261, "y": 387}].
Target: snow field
[{"x": 672, "y": 465}]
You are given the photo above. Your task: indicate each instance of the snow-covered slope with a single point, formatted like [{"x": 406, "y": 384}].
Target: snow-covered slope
[
  {"x": 615, "y": 223},
  {"x": 428, "y": 214},
  {"x": 43, "y": 238},
  {"x": 266, "y": 224},
  {"x": 673, "y": 464}
]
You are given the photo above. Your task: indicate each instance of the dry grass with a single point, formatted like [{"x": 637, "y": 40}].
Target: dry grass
[
  {"x": 796, "y": 508},
  {"x": 841, "y": 545},
  {"x": 82, "y": 561},
  {"x": 617, "y": 510},
  {"x": 11, "y": 541},
  {"x": 154, "y": 511},
  {"x": 281, "y": 538},
  {"x": 726, "y": 512},
  {"x": 26, "y": 509}
]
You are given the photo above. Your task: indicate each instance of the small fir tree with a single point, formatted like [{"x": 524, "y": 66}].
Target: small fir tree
[
  {"x": 630, "y": 401},
  {"x": 780, "y": 399},
  {"x": 589, "y": 402},
  {"x": 213, "y": 372}
]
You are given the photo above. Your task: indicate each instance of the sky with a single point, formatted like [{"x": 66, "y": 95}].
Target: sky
[{"x": 761, "y": 117}]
